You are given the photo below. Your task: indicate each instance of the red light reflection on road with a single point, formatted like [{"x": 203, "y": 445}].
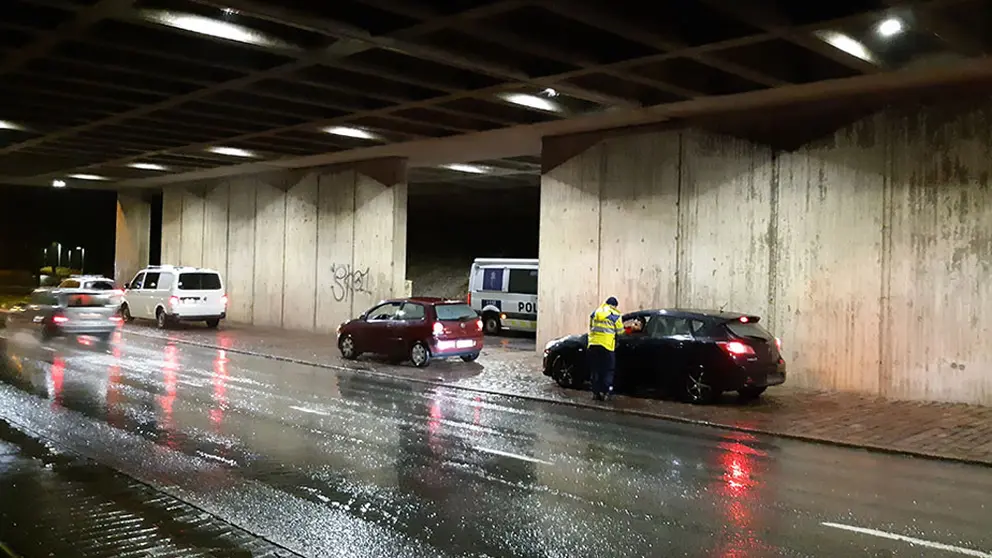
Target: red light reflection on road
[
  {"x": 220, "y": 388},
  {"x": 476, "y": 410},
  {"x": 57, "y": 378},
  {"x": 114, "y": 416},
  {"x": 738, "y": 494},
  {"x": 170, "y": 379}
]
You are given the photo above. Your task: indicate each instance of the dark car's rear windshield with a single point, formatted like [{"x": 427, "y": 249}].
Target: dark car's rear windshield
[
  {"x": 454, "y": 312},
  {"x": 751, "y": 330},
  {"x": 85, "y": 300},
  {"x": 199, "y": 282}
]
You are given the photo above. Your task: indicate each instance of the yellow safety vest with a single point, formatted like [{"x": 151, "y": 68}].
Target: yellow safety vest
[{"x": 604, "y": 326}]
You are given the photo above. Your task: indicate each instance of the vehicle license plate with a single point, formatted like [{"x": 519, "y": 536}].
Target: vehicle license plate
[{"x": 465, "y": 344}]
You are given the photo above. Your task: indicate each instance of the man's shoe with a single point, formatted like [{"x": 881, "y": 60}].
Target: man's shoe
[{"x": 597, "y": 396}]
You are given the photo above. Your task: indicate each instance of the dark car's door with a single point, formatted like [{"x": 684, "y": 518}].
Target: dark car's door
[
  {"x": 671, "y": 348},
  {"x": 409, "y": 325},
  {"x": 630, "y": 364},
  {"x": 372, "y": 333}
]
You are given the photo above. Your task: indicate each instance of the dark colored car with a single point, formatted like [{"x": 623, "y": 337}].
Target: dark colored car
[
  {"x": 56, "y": 313},
  {"x": 418, "y": 329},
  {"x": 696, "y": 355}
]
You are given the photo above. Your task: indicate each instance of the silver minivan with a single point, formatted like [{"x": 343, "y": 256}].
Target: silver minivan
[{"x": 60, "y": 313}]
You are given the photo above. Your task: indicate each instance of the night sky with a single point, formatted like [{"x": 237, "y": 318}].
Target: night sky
[{"x": 32, "y": 218}]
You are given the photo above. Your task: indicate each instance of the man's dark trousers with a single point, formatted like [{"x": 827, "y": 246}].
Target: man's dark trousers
[{"x": 601, "y": 363}]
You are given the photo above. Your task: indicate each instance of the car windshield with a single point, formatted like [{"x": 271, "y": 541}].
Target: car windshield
[
  {"x": 749, "y": 330},
  {"x": 100, "y": 285},
  {"x": 454, "y": 312},
  {"x": 199, "y": 282},
  {"x": 85, "y": 300}
]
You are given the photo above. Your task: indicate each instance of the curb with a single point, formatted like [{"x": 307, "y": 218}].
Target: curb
[{"x": 590, "y": 405}]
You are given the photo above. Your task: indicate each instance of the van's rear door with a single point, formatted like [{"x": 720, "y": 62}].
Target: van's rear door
[{"x": 201, "y": 292}]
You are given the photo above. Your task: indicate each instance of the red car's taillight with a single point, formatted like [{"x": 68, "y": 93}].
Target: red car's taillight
[
  {"x": 478, "y": 324},
  {"x": 438, "y": 329},
  {"x": 736, "y": 348}
]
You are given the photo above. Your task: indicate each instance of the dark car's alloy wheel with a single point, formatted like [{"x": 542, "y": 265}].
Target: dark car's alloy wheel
[
  {"x": 347, "y": 347},
  {"x": 563, "y": 372},
  {"x": 697, "y": 390},
  {"x": 420, "y": 355}
]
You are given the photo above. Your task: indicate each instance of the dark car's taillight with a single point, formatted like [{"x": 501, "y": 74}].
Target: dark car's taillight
[
  {"x": 737, "y": 348},
  {"x": 59, "y": 319}
]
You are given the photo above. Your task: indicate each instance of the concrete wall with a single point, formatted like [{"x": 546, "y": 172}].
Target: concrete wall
[
  {"x": 299, "y": 250},
  {"x": 867, "y": 253},
  {"x": 131, "y": 249}
]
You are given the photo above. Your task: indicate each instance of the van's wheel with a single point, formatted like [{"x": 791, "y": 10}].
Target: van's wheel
[
  {"x": 420, "y": 355},
  {"x": 749, "y": 393},
  {"x": 126, "y": 314},
  {"x": 697, "y": 389},
  {"x": 212, "y": 324},
  {"x": 347, "y": 347},
  {"x": 564, "y": 372},
  {"x": 491, "y": 324},
  {"x": 161, "y": 319}
]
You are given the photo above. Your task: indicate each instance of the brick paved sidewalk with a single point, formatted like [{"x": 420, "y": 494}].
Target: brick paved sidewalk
[{"x": 511, "y": 367}]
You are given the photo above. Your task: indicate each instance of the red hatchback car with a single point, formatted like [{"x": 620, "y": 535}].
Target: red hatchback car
[{"x": 418, "y": 329}]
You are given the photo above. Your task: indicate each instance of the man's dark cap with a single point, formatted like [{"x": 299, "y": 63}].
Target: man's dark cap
[{"x": 612, "y": 301}]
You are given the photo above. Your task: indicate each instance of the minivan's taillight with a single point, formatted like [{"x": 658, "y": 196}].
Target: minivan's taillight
[
  {"x": 173, "y": 301},
  {"x": 736, "y": 348},
  {"x": 438, "y": 329},
  {"x": 778, "y": 343},
  {"x": 468, "y": 298},
  {"x": 223, "y": 300}
]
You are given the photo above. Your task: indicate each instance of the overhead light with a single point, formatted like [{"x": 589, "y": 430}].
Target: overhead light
[
  {"x": 8, "y": 125},
  {"x": 550, "y": 92},
  {"x": 531, "y": 101},
  {"x": 231, "y": 151},
  {"x": 350, "y": 132},
  {"x": 87, "y": 177},
  {"x": 211, "y": 27},
  {"x": 890, "y": 27},
  {"x": 472, "y": 169},
  {"x": 847, "y": 44},
  {"x": 58, "y": 183},
  {"x": 147, "y": 166}
]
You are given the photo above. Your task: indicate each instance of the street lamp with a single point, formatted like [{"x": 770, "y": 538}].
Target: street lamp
[
  {"x": 58, "y": 261},
  {"x": 82, "y": 261}
]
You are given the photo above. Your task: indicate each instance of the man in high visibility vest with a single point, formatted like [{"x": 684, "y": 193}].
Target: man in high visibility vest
[{"x": 604, "y": 326}]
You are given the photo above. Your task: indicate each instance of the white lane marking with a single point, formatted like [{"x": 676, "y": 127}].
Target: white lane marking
[
  {"x": 311, "y": 411},
  {"x": 911, "y": 540},
  {"x": 513, "y": 455},
  {"x": 206, "y": 455}
]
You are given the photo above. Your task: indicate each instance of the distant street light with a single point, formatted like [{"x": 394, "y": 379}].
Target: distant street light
[
  {"x": 58, "y": 261},
  {"x": 82, "y": 261}
]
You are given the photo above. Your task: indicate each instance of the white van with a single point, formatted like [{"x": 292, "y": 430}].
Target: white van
[
  {"x": 504, "y": 292},
  {"x": 170, "y": 294}
]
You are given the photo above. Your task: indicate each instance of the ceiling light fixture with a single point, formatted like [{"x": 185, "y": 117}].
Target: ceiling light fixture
[
  {"x": 58, "y": 183},
  {"x": 531, "y": 101},
  {"x": 87, "y": 177},
  {"x": 211, "y": 27},
  {"x": 350, "y": 132},
  {"x": 550, "y": 92},
  {"x": 147, "y": 166},
  {"x": 472, "y": 169},
  {"x": 8, "y": 125},
  {"x": 843, "y": 42},
  {"x": 231, "y": 151},
  {"x": 890, "y": 27}
]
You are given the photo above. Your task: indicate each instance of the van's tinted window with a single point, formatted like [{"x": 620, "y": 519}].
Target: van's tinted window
[
  {"x": 749, "y": 330},
  {"x": 138, "y": 280},
  {"x": 151, "y": 280},
  {"x": 523, "y": 281},
  {"x": 199, "y": 281},
  {"x": 454, "y": 312}
]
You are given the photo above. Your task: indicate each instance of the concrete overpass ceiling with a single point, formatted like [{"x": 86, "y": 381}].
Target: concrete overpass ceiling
[{"x": 145, "y": 92}]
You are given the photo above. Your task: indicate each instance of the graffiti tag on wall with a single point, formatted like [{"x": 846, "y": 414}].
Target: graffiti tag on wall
[{"x": 349, "y": 281}]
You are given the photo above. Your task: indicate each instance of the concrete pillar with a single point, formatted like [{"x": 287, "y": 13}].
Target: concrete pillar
[
  {"x": 303, "y": 249},
  {"x": 868, "y": 252},
  {"x": 131, "y": 250}
]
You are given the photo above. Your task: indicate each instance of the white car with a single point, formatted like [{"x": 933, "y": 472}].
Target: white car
[
  {"x": 170, "y": 294},
  {"x": 94, "y": 283}
]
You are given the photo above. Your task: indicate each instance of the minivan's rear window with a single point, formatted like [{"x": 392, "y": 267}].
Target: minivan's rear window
[
  {"x": 199, "y": 282},
  {"x": 454, "y": 312},
  {"x": 100, "y": 285},
  {"x": 749, "y": 330}
]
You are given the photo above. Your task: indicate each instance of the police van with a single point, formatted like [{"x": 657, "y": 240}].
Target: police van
[{"x": 504, "y": 292}]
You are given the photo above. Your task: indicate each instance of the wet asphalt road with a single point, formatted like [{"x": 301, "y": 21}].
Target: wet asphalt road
[{"x": 343, "y": 464}]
